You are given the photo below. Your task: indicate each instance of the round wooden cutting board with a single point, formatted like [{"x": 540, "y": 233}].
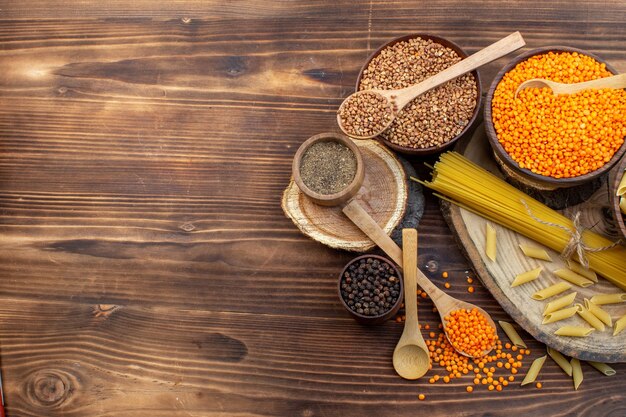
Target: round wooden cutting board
[
  {"x": 469, "y": 229},
  {"x": 387, "y": 195}
]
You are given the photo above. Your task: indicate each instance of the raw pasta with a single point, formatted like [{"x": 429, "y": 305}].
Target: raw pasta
[
  {"x": 589, "y": 318},
  {"x": 551, "y": 291},
  {"x": 578, "y": 268},
  {"x": 490, "y": 243},
  {"x": 533, "y": 371},
  {"x": 512, "y": 334},
  {"x": 577, "y": 373},
  {"x": 573, "y": 277},
  {"x": 600, "y": 299},
  {"x": 559, "y": 315},
  {"x": 535, "y": 252},
  {"x": 603, "y": 367},
  {"x": 560, "y": 360},
  {"x": 559, "y": 303},
  {"x": 574, "y": 331},
  {"x": 620, "y": 324},
  {"x": 598, "y": 312},
  {"x": 464, "y": 183},
  {"x": 527, "y": 276}
]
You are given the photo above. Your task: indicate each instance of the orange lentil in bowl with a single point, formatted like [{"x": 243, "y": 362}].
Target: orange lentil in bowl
[{"x": 559, "y": 136}]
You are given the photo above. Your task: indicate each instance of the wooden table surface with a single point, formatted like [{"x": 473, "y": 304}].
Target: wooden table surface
[{"x": 146, "y": 266}]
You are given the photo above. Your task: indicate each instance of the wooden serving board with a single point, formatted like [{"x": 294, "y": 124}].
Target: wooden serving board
[
  {"x": 469, "y": 229},
  {"x": 387, "y": 194}
]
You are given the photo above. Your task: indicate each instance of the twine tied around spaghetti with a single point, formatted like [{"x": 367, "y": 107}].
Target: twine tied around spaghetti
[{"x": 575, "y": 243}]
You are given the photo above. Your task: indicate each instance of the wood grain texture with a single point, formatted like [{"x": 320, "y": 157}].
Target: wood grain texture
[{"x": 144, "y": 148}]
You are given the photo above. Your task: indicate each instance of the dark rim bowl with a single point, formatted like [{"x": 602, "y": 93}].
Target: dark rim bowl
[
  {"x": 339, "y": 197},
  {"x": 361, "y": 318},
  {"x": 538, "y": 181},
  {"x": 445, "y": 42},
  {"x": 620, "y": 218}
]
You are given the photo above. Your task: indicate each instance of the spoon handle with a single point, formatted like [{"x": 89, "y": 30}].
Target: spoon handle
[
  {"x": 494, "y": 51},
  {"x": 364, "y": 221},
  {"x": 615, "y": 82},
  {"x": 409, "y": 266}
]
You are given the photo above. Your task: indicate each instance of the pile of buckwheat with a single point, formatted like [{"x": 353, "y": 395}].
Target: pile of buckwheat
[
  {"x": 365, "y": 114},
  {"x": 436, "y": 116}
]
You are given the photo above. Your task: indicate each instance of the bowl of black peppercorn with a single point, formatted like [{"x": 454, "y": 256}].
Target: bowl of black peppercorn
[{"x": 370, "y": 288}]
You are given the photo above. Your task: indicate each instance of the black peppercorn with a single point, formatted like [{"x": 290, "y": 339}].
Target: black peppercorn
[{"x": 370, "y": 287}]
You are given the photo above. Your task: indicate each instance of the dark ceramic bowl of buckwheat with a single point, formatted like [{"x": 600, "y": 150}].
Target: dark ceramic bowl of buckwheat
[
  {"x": 370, "y": 288},
  {"x": 437, "y": 119}
]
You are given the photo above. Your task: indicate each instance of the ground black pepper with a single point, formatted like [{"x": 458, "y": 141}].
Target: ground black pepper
[
  {"x": 328, "y": 167},
  {"x": 370, "y": 287}
]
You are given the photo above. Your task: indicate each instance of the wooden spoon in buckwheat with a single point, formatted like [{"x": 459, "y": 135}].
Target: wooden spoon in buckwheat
[{"x": 366, "y": 114}]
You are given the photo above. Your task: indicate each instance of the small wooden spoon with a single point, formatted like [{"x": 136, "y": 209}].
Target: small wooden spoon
[
  {"x": 397, "y": 99},
  {"x": 410, "y": 358},
  {"x": 445, "y": 303},
  {"x": 614, "y": 82}
]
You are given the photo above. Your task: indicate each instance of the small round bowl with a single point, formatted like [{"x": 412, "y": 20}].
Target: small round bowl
[
  {"x": 620, "y": 218},
  {"x": 445, "y": 42},
  {"x": 341, "y": 196},
  {"x": 509, "y": 166},
  {"x": 361, "y": 318}
]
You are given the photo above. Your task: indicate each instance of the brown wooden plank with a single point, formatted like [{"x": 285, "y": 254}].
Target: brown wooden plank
[
  {"x": 143, "y": 150},
  {"x": 102, "y": 360}
]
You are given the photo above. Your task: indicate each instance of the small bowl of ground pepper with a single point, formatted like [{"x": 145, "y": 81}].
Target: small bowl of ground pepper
[
  {"x": 546, "y": 141},
  {"x": 328, "y": 168},
  {"x": 436, "y": 119},
  {"x": 370, "y": 288}
]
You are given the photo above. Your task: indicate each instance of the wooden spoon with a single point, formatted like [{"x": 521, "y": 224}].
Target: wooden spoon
[
  {"x": 397, "y": 99},
  {"x": 614, "y": 82},
  {"x": 361, "y": 218},
  {"x": 445, "y": 303},
  {"x": 410, "y": 358}
]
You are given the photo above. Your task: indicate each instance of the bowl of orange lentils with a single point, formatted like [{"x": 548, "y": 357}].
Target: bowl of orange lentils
[{"x": 547, "y": 141}]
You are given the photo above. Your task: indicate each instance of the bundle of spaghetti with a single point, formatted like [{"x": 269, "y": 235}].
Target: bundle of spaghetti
[{"x": 462, "y": 182}]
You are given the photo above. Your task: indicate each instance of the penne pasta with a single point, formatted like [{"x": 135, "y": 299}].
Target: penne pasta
[
  {"x": 491, "y": 249},
  {"x": 574, "y": 331},
  {"x": 603, "y": 367},
  {"x": 559, "y": 315},
  {"x": 535, "y": 252},
  {"x": 620, "y": 324},
  {"x": 512, "y": 334},
  {"x": 551, "y": 291},
  {"x": 600, "y": 299},
  {"x": 578, "y": 268},
  {"x": 560, "y": 360},
  {"x": 622, "y": 204},
  {"x": 598, "y": 312},
  {"x": 589, "y": 318},
  {"x": 621, "y": 188},
  {"x": 573, "y": 277},
  {"x": 533, "y": 371},
  {"x": 559, "y": 303},
  {"x": 527, "y": 276},
  {"x": 577, "y": 373}
]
